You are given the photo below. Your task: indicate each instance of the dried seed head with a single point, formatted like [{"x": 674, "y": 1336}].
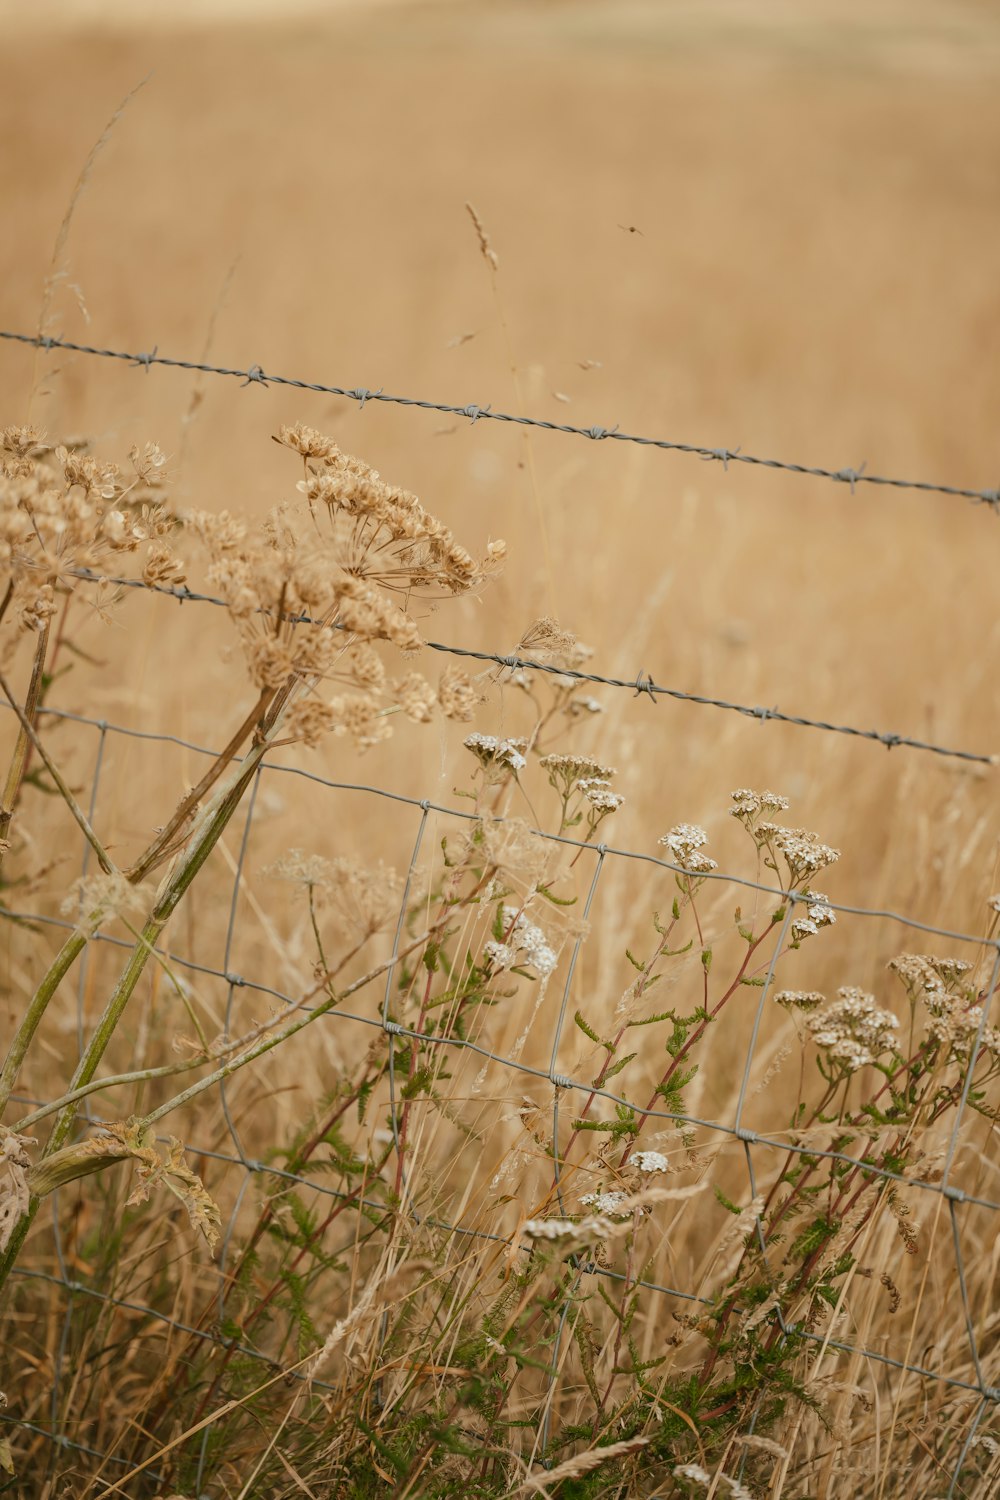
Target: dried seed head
[{"x": 457, "y": 694}]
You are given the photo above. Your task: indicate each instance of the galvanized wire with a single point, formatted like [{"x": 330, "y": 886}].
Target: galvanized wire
[
  {"x": 850, "y": 475},
  {"x": 959, "y": 1202},
  {"x": 642, "y": 685}
]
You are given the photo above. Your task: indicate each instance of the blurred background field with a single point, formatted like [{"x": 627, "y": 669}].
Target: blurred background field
[{"x": 760, "y": 225}]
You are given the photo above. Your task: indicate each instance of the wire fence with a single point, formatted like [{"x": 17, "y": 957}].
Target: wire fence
[
  {"x": 254, "y": 375},
  {"x": 972, "y": 1371},
  {"x": 642, "y": 685}
]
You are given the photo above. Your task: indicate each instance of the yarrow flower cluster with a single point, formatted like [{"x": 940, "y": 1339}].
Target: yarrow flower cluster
[
  {"x": 803, "y": 853},
  {"x": 853, "y": 1031},
  {"x": 583, "y": 1230},
  {"x": 685, "y": 843},
  {"x": 749, "y": 805},
  {"x": 524, "y": 945},
  {"x": 695, "y": 1474},
  {"x": 609, "y": 1202},
  {"x": 818, "y": 914},
  {"x": 566, "y": 771},
  {"x": 804, "y": 1000},
  {"x": 650, "y": 1161},
  {"x": 599, "y": 794},
  {"x": 498, "y": 755},
  {"x": 955, "y": 1014}
]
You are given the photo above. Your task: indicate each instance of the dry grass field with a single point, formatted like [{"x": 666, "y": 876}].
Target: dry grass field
[{"x": 759, "y": 226}]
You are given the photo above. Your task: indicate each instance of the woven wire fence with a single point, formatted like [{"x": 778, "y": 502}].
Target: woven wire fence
[
  {"x": 971, "y": 1372},
  {"x": 758, "y": 1148}
]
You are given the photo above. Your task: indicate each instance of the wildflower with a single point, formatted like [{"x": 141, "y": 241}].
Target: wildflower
[
  {"x": 365, "y": 667},
  {"x": 609, "y": 1202},
  {"x": 38, "y": 608},
  {"x": 112, "y": 892},
  {"x": 565, "y": 771},
  {"x": 361, "y": 719},
  {"x": 310, "y": 720},
  {"x": 20, "y": 446},
  {"x": 162, "y": 567},
  {"x": 803, "y": 852},
  {"x": 853, "y": 1031},
  {"x": 599, "y": 794},
  {"x": 496, "y": 754},
  {"x": 650, "y": 1161},
  {"x": 685, "y": 843},
  {"x": 307, "y": 441},
  {"x": 548, "y": 1229},
  {"x": 923, "y": 975},
  {"x": 818, "y": 914},
  {"x": 800, "y": 999},
  {"x": 955, "y": 1016},
  {"x": 360, "y": 900},
  {"x": 694, "y": 1472},
  {"x": 147, "y": 463},
  {"x": 456, "y": 694},
  {"x": 500, "y": 955},
  {"x": 578, "y": 706},
  {"x": 524, "y": 945},
  {"x": 596, "y": 1228},
  {"x": 749, "y": 805},
  {"x": 416, "y": 697}
]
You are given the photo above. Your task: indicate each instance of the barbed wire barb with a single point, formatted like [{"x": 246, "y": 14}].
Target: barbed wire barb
[{"x": 476, "y": 412}]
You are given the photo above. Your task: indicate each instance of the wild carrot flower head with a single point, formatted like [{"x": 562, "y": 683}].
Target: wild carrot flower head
[
  {"x": 360, "y": 901},
  {"x": 63, "y": 510},
  {"x": 312, "y": 588}
]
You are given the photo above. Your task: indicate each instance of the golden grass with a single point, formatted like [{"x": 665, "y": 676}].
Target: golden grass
[{"x": 813, "y": 279}]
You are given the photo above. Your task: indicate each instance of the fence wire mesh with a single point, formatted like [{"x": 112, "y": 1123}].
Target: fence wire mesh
[
  {"x": 252, "y": 960},
  {"x": 762, "y": 1140}
]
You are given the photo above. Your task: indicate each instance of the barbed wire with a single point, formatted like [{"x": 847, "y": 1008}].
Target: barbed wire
[
  {"x": 724, "y": 877},
  {"x": 642, "y": 685},
  {"x": 255, "y": 375},
  {"x": 563, "y": 1084}
]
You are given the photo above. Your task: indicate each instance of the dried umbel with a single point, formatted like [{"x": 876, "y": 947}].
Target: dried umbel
[
  {"x": 63, "y": 511},
  {"x": 313, "y": 588}
]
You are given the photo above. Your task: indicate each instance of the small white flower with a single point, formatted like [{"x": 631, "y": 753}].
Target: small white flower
[
  {"x": 694, "y": 1472},
  {"x": 685, "y": 843},
  {"x": 605, "y": 1203},
  {"x": 650, "y": 1161}
]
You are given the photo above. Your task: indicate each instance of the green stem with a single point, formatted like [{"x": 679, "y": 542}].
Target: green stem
[
  {"x": 57, "y": 971},
  {"x": 18, "y": 762},
  {"x": 267, "y": 1043},
  {"x": 208, "y": 829}
]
